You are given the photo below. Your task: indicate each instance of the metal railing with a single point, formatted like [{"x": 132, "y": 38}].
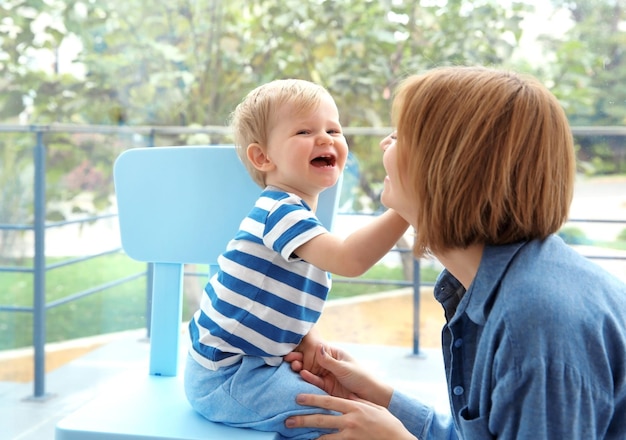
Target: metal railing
[{"x": 150, "y": 137}]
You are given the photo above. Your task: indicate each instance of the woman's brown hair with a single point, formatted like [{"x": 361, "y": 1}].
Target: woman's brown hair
[{"x": 486, "y": 154}]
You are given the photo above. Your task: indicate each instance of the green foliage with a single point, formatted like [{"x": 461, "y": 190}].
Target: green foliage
[
  {"x": 622, "y": 236},
  {"x": 76, "y": 165},
  {"x": 182, "y": 63},
  {"x": 602, "y": 158},
  {"x": 147, "y": 62},
  {"x": 588, "y": 76},
  {"x": 573, "y": 235},
  {"x": 16, "y": 189},
  {"x": 16, "y": 175}
]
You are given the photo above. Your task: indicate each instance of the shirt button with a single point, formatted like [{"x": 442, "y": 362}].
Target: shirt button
[
  {"x": 458, "y": 343},
  {"x": 458, "y": 390}
]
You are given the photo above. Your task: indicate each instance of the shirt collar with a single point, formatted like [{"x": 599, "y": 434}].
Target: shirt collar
[{"x": 478, "y": 299}]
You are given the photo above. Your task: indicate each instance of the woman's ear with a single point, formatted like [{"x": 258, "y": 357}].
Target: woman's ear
[{"x": 259, "y": 158}]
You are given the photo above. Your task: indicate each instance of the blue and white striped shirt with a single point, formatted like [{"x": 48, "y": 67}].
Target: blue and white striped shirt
[{"x": 263, "y": 299}]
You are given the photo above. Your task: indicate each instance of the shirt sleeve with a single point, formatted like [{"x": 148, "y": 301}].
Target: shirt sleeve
[
  {"x": 422, "y": 420},
  {"x": 289, "y": 225}
]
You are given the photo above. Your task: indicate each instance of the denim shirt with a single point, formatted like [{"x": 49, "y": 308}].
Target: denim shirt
[{"x": 535, "y": 349}]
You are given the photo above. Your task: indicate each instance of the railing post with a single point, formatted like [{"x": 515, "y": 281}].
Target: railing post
[
  {"x": 39, "y": 294},
  {"x": 416, "y": 307},
  {"x": 151, "y": 138}
]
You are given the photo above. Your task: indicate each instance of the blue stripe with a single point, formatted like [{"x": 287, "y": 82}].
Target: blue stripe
[
  {"x": 267, "y": 268},
  {"x": 205, "y": 350},
  {"x": 244, "y": 235},
  {"x": 258, "y": 214}
]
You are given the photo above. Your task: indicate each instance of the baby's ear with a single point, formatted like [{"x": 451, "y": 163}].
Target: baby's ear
[{"x": 258, "y": 157}]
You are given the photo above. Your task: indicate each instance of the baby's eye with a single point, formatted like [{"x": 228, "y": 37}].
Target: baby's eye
[
  {"x": 303, "y": 132},
  {"x": 333, "y": 131}
]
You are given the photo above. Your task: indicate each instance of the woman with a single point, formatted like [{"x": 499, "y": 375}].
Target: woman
[{"x": 535, "y": 341}]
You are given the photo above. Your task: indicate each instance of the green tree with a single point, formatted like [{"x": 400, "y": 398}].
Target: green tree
[
  {"x": 588, "y": 75},
  {"x": 189, "y": 63}
]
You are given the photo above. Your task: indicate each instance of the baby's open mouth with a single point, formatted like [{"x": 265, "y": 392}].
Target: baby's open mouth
[{"x": 324, "y": 161}]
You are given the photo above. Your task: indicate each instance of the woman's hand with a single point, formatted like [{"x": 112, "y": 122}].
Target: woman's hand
[
  {"x": 342, "y": 376},
  {"x": 324, "y": 379},
  {"x": 359, "y": 419},
  {"x": 359, "y": 397}
]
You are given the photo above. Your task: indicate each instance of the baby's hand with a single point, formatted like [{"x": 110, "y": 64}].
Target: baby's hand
[{"x": 305, "y": 354}]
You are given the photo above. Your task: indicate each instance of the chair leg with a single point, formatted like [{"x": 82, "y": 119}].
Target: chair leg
[{"x": 168, "y": 278}]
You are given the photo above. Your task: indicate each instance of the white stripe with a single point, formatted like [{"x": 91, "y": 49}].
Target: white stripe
[
  {"x": 266, "y": 203},
  {"x": 252, "y": 226}
]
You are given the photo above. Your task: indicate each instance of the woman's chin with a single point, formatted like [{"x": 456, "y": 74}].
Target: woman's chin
[{"x": 384, "y": 199}]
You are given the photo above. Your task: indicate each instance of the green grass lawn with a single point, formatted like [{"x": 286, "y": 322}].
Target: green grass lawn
[{"x": 118, "y": 308}]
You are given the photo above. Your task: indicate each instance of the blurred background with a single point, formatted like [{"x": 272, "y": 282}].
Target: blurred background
[{"x": 83, "y": 80}]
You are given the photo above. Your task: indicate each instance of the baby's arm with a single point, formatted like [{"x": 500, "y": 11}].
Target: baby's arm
[{"x": 359, "y": 251}]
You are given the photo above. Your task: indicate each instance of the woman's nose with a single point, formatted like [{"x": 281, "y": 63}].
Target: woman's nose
[{"x": 388, "y": 141}]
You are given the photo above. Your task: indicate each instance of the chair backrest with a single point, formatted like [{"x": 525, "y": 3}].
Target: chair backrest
[{"x": 182, "y": 205}]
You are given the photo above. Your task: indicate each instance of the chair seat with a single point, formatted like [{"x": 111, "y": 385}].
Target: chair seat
[{"x": 150, "y": 407}]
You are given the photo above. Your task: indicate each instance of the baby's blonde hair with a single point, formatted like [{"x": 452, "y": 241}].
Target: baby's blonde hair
[
  {"x": 253, "y": 118},
  {"x": 487, "y": 156}
]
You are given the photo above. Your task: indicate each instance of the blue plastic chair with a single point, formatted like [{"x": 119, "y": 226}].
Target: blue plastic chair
[{"x": 176, "y": 205}]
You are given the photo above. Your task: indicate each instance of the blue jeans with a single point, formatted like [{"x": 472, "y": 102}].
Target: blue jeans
[{"x": 251, "y": 394}]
